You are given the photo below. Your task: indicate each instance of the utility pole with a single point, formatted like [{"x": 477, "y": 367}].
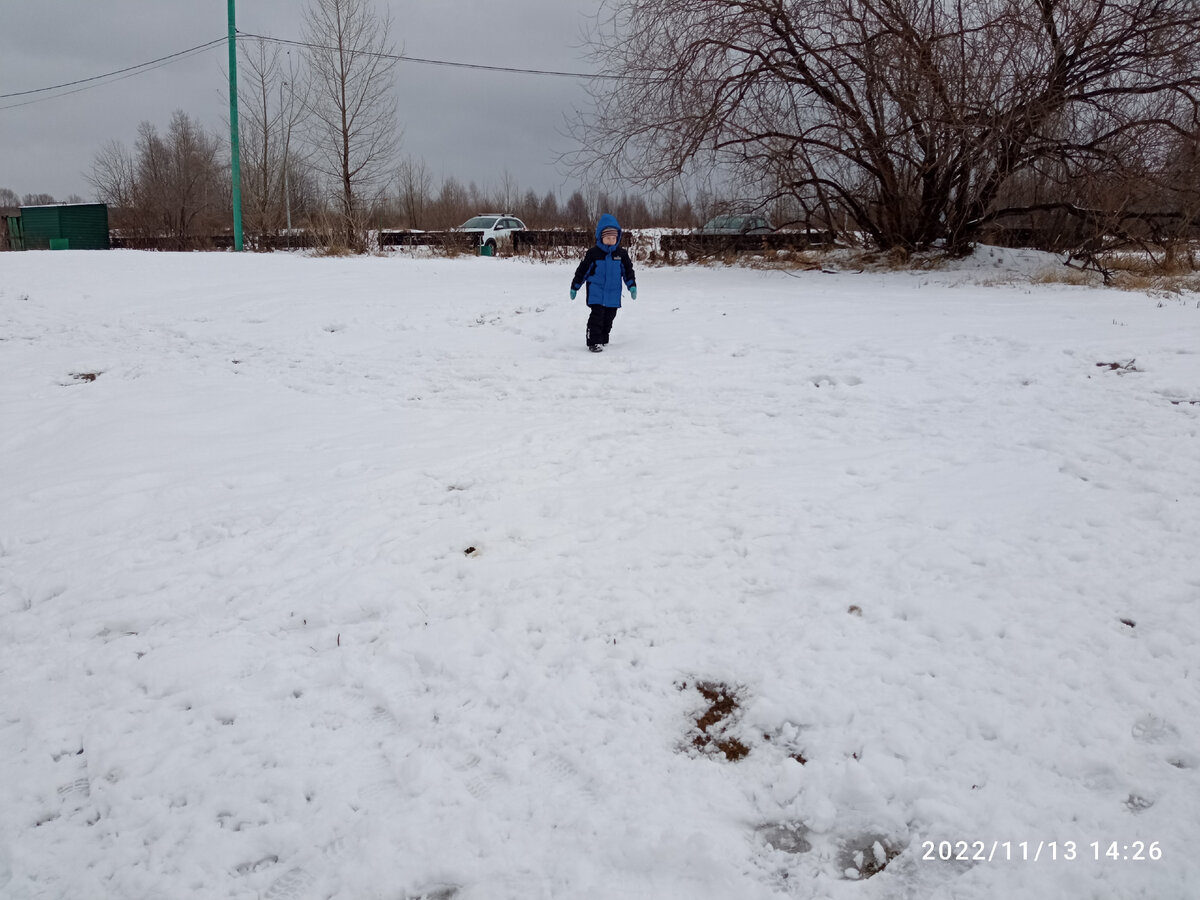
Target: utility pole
[
  {"x": 234, "y": 147},
  {"x": 287, "y": 137}
]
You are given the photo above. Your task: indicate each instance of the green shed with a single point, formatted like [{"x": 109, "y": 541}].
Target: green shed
[{"x": 65, "y": 226}]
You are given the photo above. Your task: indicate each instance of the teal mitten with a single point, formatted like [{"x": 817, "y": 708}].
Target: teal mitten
[
  {"x": 572, "y": 293},
  {"x": 633, "y": 292}
]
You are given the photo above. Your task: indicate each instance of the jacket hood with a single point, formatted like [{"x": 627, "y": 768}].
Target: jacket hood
[{"x": 608, "y": 221}]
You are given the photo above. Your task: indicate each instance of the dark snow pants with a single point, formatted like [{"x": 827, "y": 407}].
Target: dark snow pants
[{"x": 600, "y": 323}]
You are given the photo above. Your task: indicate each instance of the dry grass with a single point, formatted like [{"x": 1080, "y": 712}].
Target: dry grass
[
  {"x": 1177, "y": 263},
  {"x": 1169, "y": 284},
  {"x": 797, "y": 260},
  {"x": 333, "y": 250},
  {"x": 895, "y": 260},
  {"x": 1173, "y": 272},
  {"x": 1169, "y": 274},
  {"x": 842, "y": 259},
  {"x": 1067, "y": 275},
  {"x": 1128, "y": 272}
]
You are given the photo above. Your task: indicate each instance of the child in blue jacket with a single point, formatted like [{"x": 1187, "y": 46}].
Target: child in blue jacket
[{"x": 604, "y": 268}]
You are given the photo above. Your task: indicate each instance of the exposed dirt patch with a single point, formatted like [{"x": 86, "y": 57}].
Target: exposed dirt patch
[{"x": 713, "y": 722}]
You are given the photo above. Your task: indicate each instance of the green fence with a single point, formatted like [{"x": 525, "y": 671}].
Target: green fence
[{"x": 74, "y": 226}]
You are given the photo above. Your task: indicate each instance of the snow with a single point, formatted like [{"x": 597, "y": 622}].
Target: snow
[{"x": 362, "y": 578}]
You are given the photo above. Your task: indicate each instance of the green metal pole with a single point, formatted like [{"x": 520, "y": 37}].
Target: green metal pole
[{"x": 235, "y": 148}]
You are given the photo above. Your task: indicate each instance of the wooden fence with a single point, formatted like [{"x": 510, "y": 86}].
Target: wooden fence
[
  {"x": 461, "y": 241},
  {"x": 701, "y": 245},
  {"x": 695, "y": 246},
  {"x": 522, "y": 241},
  {"x": 297, "y": 240}
]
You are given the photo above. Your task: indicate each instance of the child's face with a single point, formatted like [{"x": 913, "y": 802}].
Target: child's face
[{"x": 609, "y": 238}]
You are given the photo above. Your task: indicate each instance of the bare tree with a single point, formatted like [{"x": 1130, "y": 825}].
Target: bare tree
[
  {"x": 531, "y": 209},
  {"x": 903, "y": 119},
  {"x": 353, "y": 112},
  {"x": 506, "y": 193},
  {"x": 414, "y": 184},
  {"x": 452, "y": 206},
  {"x": 577, "y": 214},
  {"x": 173, "y": 186},
  {"x": 548, "y": 209},
  {"x": 674, "y": 208},
  {"x": 272, "y": 97},
  {"x": 113, "y": 178},
  {"x": 180, "y": 184}
]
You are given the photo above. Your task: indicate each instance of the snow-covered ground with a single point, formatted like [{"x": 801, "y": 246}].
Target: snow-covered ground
[{"x": 362, "y": 579}]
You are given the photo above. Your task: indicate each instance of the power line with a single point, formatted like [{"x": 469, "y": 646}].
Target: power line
[
  {"x": 85, "y": 84},
  {"x": 163, "y": 60},
  {"x": 435, "y": 62}
]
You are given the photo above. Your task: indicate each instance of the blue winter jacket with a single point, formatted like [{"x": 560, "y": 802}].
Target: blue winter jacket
[{"x": 605, "y": 268}]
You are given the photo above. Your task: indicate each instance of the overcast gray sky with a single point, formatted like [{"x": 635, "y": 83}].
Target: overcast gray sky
[{"x": 468, "y": 124}]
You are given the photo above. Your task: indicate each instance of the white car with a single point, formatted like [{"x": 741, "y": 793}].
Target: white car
[{"x": 493, "y": 228}]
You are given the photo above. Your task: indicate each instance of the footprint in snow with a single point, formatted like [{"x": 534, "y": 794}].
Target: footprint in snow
[
  {"x": 76, "y": 792},
  {"x": 1150, "y": 729},
  {"x": 559, "y": 777},
  {"x": 291, "y": 885},
  {"x": 297, "y": 882},
  {"x": 822, "y": 380},
  {"x": 434, "y": 892}
]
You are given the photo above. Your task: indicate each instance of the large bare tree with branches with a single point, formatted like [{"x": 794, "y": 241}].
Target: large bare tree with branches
[
  {"x": 413, "y": 183},
  {"x": 272, "y": 96},
  {"x": 172, "y": 187},
  {"x": 353, "y": 110},
  {"x": 181, "y": 179},
  {"x": 901, "y": 119},
  {"x": 113, "y": 177}
]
